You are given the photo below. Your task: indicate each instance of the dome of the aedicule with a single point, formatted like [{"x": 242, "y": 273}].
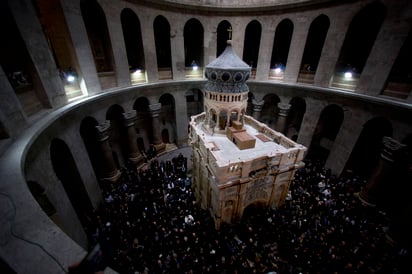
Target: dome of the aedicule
[{"x": 227, "y": 73}]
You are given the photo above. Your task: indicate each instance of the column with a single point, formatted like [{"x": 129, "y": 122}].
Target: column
[
  {"x": 209, "y": 50},
  {"x": 182, "y": 121},
  {"x": 114, "y": 26},
  {"x": 374, "y": 191},
  {"x": 149, "y": 48},
  {"x": 48, "y": 85},
  {"x": 178, "y": 54},
  {"x": 257, "y": 108},
  {"x": 134, "y": 155},
  {"x": 345, "y": 141},
  {"x": 217, "y": 125},
  {"x": 265, "y": 53},
  {"x": 238, "y": 35},
  {"x": 281, "y": 122},
  {"x": 332, "y": 46},
  {"x": 382, "y": 56},
  {"x": 310, "y": 120},
  {"x": 155, "y": 110},
  {"x": 297, "y": 46},
  {"x": 109, "y": 169},
  {"x": 78, "y": 34}
]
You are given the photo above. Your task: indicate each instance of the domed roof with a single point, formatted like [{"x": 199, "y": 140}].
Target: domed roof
[{"x": 227, "y": 73}]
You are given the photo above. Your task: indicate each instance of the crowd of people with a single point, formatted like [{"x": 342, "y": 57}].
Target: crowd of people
[{"x": 150, "y": 223}]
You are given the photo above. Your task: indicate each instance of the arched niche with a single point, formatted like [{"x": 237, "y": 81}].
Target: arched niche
[
  {"x": 359, "y": 40},
  {"x": 99, "y": 39},
  {"x": 88, "y": 133},
  {"x": 168, "y": 115},
  {"x": 251, "y": 43},
  {"x": 222, "y": 36},
  {"x": 366, "y": 152},
  {"x": 313, "y": 49},
  {"x": 161, "y": 28},
  {"x": 117, "y": 134},
  {"x": 194, "y": 102},
  {"x": 143, "y": 123},
  {"x": 280, "y": 50},
  {"x": 295, "y": 117},
  {"x": 327, "y": 128},
  {"x": 132, "y": 34},
  {"x": 65, "y": 168},
  {"x": 269, "y": 112}
]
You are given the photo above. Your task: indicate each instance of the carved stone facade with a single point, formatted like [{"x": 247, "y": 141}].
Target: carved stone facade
[
  {"x": 237, "y": 161},
  {"x": 227, "y": 179}
]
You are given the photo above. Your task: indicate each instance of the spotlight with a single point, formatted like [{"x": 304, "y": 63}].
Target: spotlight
[
  {"x": 348, "y": 75},
  {"x": 194, "y": 65},
  {"x": 278, "y": 70},
  {"x": 70, "y": 78},
  {"x": 137, "y": 71}
]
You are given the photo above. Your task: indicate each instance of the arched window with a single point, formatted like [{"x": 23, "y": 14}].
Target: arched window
[
  {"x": 134, "y": 45},
  {"x": 17, "y": 64},
  {"x": 366, "y": 152},
  {"x": 99, "y": 39},
  {"x": 313, "y": 49},
  {"x": 326, "y": 130},
  {"x": 193, "y": 39},
  {"x": 161, "y": 29},
  {"x": 66, "y": 171},
  {"x": 168, "y": 116},
  {"x": 117, "y": 134},
  {"x": 359, "y": 39},
  {"x": 222, "y": 36},
  {"x": 251, "y": 45},
  {"x": 280, "y": 50}
]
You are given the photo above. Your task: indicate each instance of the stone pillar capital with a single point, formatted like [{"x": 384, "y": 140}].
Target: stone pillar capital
[
  {"x": 155, "y": 109},
  {"x": 390, "y": 148},
  {"x": 129, "y": 118},
  {"x": 284, "y": 109},
  {"x": 103, "y": 131},
  {"x": 257, "y": 105}
]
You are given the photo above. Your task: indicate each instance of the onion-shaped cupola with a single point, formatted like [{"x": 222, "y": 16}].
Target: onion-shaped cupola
[{"x": 227, "y": 73}]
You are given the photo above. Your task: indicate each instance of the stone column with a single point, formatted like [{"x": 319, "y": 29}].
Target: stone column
[
  {"x": 310, "y": 121},
  {"x": 257, "y": 108},
  {"x": 183, "y": 122},
  {"x": 297, "y": 46},
  {"x": 216, "y": 126},
  {"x": 48, "y": 85},
  {"x": 210, "y": 42},
  {"x": 382, "y": 56},
  {"x": 149, "y": 47},
  {"x": 238, "y": 36},
  {"x": 134, "y": 155},
  {"x": 265, "y": 53},
  {"x": 281, "y": 122},
  {"x": 178, "y": 54},
  {"x": 332, "y": 46},
  {"x": 155, "y": 110},
  {"x": 114, "y": 27},
  {"x": 78, "y": 34},
  {"x": 110, "y": 171},
  {"x": 345, "y": 141},
  {"x": 374, "y": 191}
]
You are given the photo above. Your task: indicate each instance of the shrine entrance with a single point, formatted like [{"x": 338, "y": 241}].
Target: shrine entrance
[{"x": 255, "y": 213}]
